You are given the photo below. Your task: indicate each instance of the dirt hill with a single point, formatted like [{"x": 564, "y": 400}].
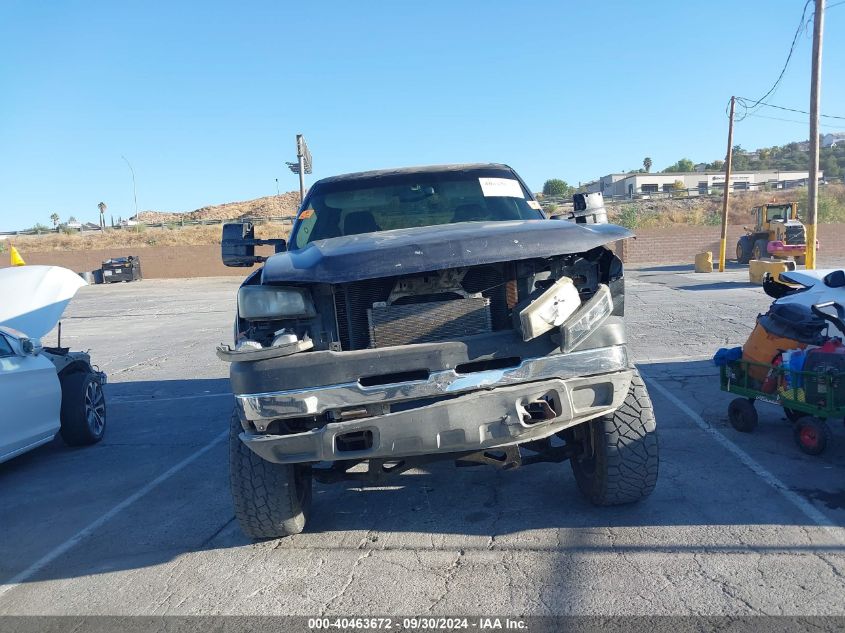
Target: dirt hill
[{"x": 282, "y": 205}]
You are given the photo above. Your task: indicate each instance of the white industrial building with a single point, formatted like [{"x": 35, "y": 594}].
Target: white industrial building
[{"x": 638, "y": 184}]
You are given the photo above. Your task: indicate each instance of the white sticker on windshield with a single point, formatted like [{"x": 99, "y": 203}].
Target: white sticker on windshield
[{"x": 501, "y": 187}]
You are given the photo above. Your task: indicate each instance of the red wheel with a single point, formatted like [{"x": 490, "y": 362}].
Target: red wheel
[{"x": 812, "y": 435}]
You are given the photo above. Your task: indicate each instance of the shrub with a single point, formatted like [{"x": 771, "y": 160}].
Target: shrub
[
  {"x": 557, "y": 187},
  {"x": 628, "y": 217}
]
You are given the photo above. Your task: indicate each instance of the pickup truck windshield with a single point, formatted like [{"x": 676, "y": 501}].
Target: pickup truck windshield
[{"x": 362, "y": 205}]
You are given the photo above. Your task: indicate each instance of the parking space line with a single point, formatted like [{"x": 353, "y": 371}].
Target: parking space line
[
  {"x": 105, "y": 518},
  {"x": 802, "y": 504}
]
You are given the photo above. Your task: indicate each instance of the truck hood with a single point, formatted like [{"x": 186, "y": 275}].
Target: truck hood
[
  {"x": 425, "y": 248},
  {"x": 34, "y": 297}
]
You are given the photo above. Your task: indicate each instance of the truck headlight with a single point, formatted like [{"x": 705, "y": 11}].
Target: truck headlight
[
  {"x": 274, "y": 302},
  {"x": 584, "y": 321},
  {"x": 550, "y": 309}
]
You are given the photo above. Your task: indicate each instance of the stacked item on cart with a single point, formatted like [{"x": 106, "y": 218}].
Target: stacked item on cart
[{"x": 794, "y": 358}]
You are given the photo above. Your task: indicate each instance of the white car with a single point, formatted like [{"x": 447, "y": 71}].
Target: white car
[
  {"x": 819, "y": 286},
  {"x": 43, "y": 390}
]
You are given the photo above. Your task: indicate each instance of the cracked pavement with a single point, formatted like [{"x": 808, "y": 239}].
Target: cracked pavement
[{"x": 714, "y": 538}]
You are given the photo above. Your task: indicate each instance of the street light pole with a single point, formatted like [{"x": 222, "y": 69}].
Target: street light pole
[
  {"x": 302, "y": 165},
  {"x": 300, "y": 155},
  {"x": 134, "y": 190}
]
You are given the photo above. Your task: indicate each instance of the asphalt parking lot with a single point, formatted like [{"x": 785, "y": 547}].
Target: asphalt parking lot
[{"x": 142, "y": 523}]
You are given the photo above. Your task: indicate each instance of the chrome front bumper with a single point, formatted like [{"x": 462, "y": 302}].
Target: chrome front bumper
[
  {"x": 489, "y": 409},
  {"x": 262, "y": 408}
]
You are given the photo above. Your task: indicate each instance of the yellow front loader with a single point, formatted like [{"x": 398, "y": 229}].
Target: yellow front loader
[{"x": 778, "y": 233}]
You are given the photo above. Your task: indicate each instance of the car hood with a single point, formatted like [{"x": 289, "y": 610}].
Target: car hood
[
  {"x": 814, "y": 292},
  {"x": 807, "y": 277},
  {"x": 420, "y": 249},
  {"x": 34, "y": 297}
]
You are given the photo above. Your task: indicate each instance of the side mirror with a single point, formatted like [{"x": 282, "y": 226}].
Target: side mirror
[
  {"x": 238, "y": 245},
  {"x": 31, "y": 347}
]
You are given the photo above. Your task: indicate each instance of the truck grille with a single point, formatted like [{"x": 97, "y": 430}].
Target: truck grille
[
  {"x": 354, "y": 302},
  {"x": 428, "y": 322},
  {"x": 795, "y": 235}
]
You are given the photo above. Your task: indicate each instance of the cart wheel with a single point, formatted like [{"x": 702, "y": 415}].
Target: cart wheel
[
  {"x": 792, "y": 415},
  {"x": 742, "y": 415},
  {"x": 812, "y": 435}
]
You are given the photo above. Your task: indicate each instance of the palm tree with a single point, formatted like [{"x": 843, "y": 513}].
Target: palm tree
[
  {"x": 55, "y": 219},
  {"x": 102, "y": 207},
  {"x": 647, "y": 164}
]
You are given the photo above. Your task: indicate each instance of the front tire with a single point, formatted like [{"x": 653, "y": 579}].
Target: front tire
[
  {"x": 760, "y": 250},
  {"x": 83, "y": 412},
  {"x": 620, "y": 460},
  {"x": 271, "y": 500}
]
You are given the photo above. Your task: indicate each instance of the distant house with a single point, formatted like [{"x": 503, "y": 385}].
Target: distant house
[
  {"x": 74, "y": 224},
  {"x": 129, "y": 222},
  {"x": 90, "y": 226},
  {"x": 833, "y": 139}
]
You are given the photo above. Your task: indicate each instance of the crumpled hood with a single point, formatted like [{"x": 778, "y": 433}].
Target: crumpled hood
[
  {"x": 425, "y": 248},
  {"x": 33, "y": 298}
]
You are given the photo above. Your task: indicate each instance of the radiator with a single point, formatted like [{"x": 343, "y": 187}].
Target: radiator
[{"x": 428, "y": 322}]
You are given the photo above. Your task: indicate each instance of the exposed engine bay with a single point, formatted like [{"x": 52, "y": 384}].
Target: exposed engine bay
[{"x": 440, "y": 305}]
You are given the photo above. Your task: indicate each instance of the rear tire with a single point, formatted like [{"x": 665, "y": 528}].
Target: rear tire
[
  {"x": 759, "y": 251},
  {"x": 83, "y": 413},
  {"x": 812, "y": 435},
  {"x": 801, "y": 260},
  {"x": 271, "y": 500},
  {"x": 743, "y": 249},
  {"x": 742, "y": 415},
  {"x": 620, "y": 460}
]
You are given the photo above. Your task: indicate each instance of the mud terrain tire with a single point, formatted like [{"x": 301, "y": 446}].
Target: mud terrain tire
[
  {"x": 620, "y": 460},
  {"x": 271, "y": 500}
]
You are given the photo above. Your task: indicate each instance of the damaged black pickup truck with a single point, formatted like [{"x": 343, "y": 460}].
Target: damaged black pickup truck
[{"x": 423, "y": 314}]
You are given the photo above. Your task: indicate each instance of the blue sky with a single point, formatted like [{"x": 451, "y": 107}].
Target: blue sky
[{"x": 205, "y": 98}]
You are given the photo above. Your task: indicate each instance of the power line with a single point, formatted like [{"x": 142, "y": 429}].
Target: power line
[
  {"x": 801, "y": 27},
  {"x": 775, "y": 118},
  {"x": 772, "y": 105}
]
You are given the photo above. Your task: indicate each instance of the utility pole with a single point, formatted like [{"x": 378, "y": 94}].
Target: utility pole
[
  {"x": 815, "y": 92},
  {"x": 728, "y": 162}
]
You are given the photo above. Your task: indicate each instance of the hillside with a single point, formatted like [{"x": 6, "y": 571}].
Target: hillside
[
  {"x": 696, "y": 210},
  {"x": 282, "y": 205},
  {"x": 663, "y": 212},
  {"x": 789, "y": 157}
]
